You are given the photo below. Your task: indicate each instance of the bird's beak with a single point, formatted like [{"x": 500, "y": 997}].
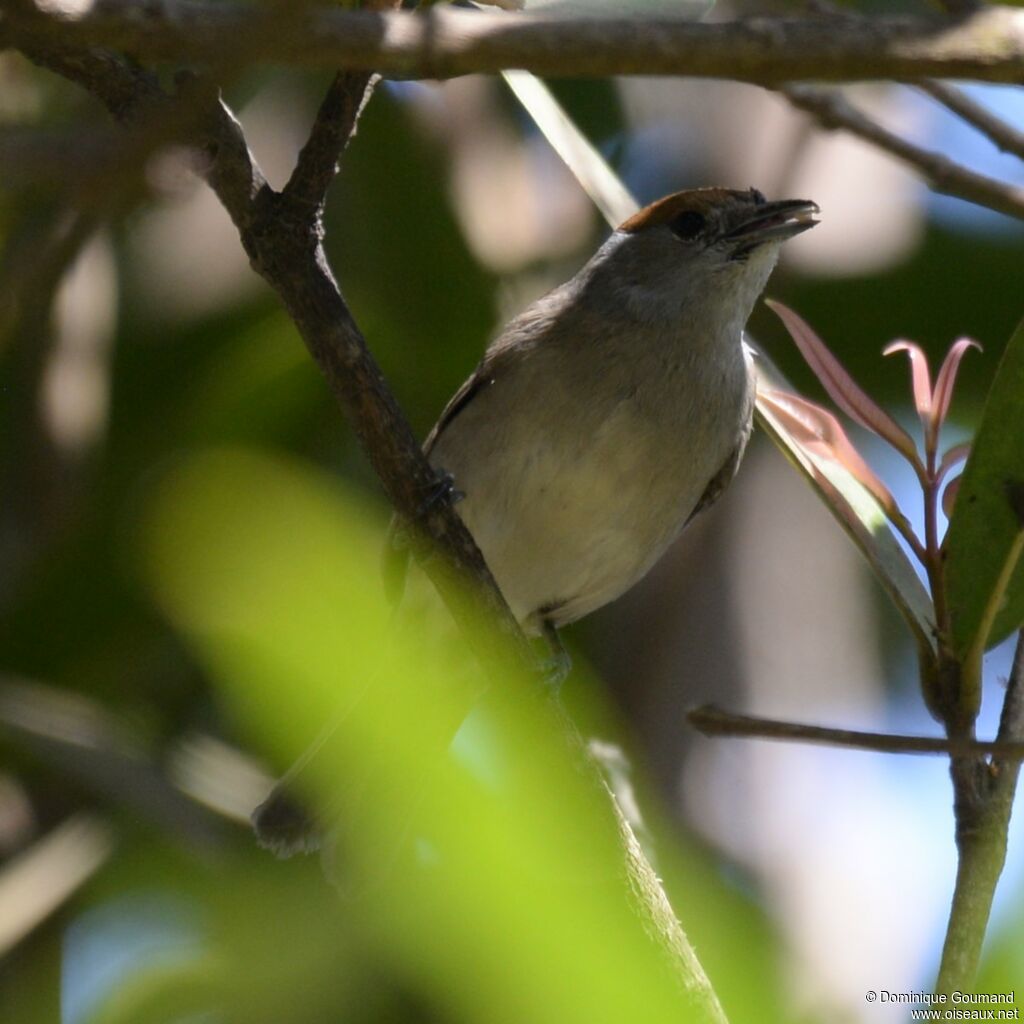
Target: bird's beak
[{"x": 775, "y": 222}]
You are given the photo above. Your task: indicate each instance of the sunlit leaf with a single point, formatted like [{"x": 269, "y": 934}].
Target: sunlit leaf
[
  {"x": 859, "y": 513},
  {"x": 985, "y": 528},
  {"x": 822, "y": 435},
  {"x": 841, "y": 387}
]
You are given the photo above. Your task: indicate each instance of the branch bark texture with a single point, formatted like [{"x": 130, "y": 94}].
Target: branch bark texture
[{"x": 443, "y": 43}]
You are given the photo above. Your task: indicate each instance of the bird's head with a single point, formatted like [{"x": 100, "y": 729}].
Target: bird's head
[{"x": 704, "y": 252}]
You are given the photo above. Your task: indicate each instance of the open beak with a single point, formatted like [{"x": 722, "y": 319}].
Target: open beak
[{"x": 775, "y": 222}]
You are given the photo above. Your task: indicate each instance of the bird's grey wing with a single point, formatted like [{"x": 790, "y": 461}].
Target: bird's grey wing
[
  {"x": 395, "y": 559},
  {"x": 723, "y": 477}
]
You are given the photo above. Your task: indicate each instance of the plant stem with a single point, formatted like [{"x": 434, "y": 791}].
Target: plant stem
[
  {"x": 983, "y": 801},
  {"x": 982, "y": 853}
]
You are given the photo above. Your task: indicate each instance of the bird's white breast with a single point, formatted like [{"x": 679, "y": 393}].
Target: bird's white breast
[{"x": 572, "y": 501}]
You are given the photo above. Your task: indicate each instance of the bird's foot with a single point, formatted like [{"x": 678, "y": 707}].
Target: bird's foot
[{"x": 441, "y": 492}]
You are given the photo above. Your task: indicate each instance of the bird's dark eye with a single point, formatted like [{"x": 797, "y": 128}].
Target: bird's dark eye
[{"x": 688, "y": 225}]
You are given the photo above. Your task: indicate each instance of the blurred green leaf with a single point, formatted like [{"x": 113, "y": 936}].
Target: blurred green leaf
[
  {"x": 511, "y": 903},
  {"x": 985, "y": 528},
  {"x": 164, "y": 994},
  {"x": 256, "y": 388}
]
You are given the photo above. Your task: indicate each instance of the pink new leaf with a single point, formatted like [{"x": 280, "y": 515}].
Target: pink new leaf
[
  {"x": 819, "y": 433},
  {"x": 920, "y": 378},
  {"x": 950, "y": 458},
  {"x": 945, "y": 382},
  {"x": 842, "y": 388}
]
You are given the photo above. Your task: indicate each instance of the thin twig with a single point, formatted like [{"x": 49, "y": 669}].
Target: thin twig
[
  {"x": 1001, "y": 133},
  {"x": 834, "y": 111},
  {"x": 712, "y": 721},
  {"x": 444, "y": 43}
]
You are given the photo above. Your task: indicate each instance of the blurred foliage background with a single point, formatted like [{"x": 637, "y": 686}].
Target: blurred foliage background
[{"x": 188, "y": 539}]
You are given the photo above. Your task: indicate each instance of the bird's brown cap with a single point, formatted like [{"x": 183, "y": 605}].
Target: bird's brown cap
[{"x": 700, "y": 200}]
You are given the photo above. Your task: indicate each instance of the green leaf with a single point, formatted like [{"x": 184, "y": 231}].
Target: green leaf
[
  {"x": 984, "y": 533},
  {"x": 269, "y": 571}
]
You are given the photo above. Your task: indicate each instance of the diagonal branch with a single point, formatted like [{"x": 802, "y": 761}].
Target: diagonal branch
[
  {"x": 833, "y": 111},
  {"x": 282, "y": 235},
  {"x": 282, "y": 238},
  {"x": 1001, "y": 133},
  {"x": 443, "y": 43}
]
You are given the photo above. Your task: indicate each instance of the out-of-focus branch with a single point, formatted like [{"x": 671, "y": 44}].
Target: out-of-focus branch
[
  {"x": 41, "y": 879},
  {"x": 85, "y": 745},
  {"x": 832, "y": 110},
  {"x": 443, "y": 43},
  {"x": 1001, "y": 133}
]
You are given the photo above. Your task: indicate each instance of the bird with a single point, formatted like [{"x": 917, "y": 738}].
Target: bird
[{"x": 604, "y": 417}]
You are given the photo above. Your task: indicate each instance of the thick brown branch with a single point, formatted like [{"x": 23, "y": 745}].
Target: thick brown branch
[
  {"x": 834, "y": 111},
  {"x": 282, "y": 238},
  {"x": 443, "y": 43}
]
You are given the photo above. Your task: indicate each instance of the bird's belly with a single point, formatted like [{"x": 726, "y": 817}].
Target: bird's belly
[{"x": 567, "y": 528}]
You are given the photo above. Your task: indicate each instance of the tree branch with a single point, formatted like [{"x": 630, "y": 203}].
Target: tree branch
[
  {"x": 282, "y": 235},
  {"x": 335, "y": 124},
  {"x": 444, "y": 43},
  {"x": 1001, "y": 133},
  {"x": 712, "y": 721},
  {"x": 834, "y": 111}
]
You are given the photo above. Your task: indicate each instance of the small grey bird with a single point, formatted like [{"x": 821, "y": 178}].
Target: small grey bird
[
  {"x": 616, "y": 407},
  {"x": 608, "y": 414}
]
